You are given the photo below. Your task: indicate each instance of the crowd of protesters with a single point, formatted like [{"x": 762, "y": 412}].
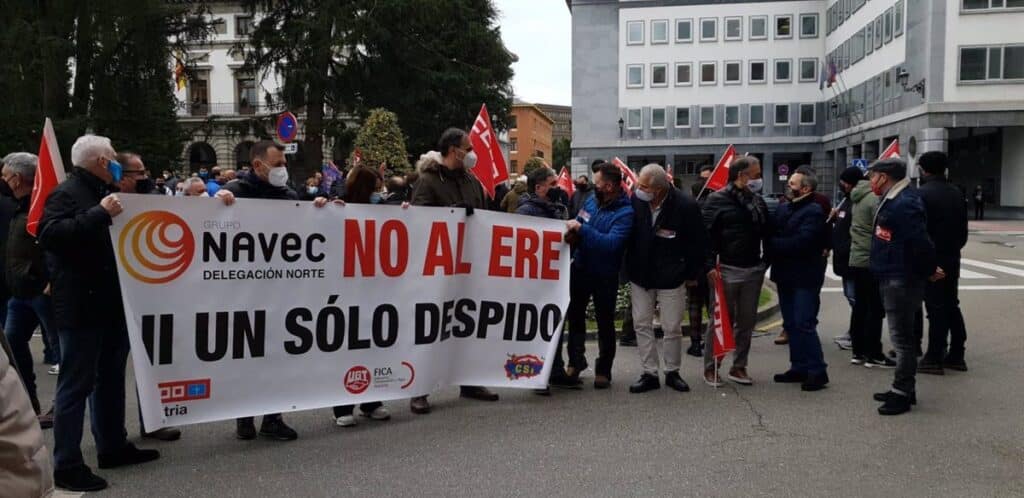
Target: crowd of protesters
[{"x": 894, "y": 245}]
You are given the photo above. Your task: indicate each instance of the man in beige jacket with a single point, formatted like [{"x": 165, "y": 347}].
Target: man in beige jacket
[{"x": 25, "y": 468}]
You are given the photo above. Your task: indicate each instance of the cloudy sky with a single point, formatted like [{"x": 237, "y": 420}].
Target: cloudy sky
[{"x": 540, "y": 33}]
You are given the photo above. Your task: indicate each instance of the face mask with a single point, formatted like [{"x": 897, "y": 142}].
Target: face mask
[
  {"x": 179, "y": 194},
  {"x": 203, "y": 175},
  {"x": 143, "y": 186},
  {"x": 375, "y": 198},
  {"x": 311, "y": 190},
  {"x": 644, "y": 195},
  {"x": 167, "y": 176},
  {"x": 469, "y": 162},
  {"x": 278, "y": 177},
  {"x": 755, "y": 185},
  {"x": 876, "y": 189},
  {"x": 115, "y": 170},
  {"x": 793, "y": 194}
]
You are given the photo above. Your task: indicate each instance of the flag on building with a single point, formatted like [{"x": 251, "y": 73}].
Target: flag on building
[
  {"x": 565, "y": 182},
  {"x": 179, "y": 73},
  {"x": 720, "y": 175},
  {"x": 629, "y": 178},
  {"x": 49, "y": 174},
  {"x": 490, "y": 166},
  {"x": 893, "y": 150},
  {"x": 722, "y": 340},
  {"x": 832, "y": 71}
]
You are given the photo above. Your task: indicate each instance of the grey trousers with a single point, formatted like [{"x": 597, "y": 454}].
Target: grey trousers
[
  {"x": 742, "y": 290},
  {"x": 902, "y": 298}
]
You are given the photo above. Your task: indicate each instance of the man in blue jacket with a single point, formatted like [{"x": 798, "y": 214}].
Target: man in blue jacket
[
  {"x": 599, "y": 233},
  {"x": 797, "y": 254},
  {"x": 903, "y": 260}
]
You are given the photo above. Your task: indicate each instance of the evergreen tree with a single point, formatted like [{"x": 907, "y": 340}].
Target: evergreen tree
[{"x": 380, "y": 141}]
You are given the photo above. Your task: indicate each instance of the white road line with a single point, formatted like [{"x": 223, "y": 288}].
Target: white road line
[
  {"x": 993, "y": 267},
  {"x": 962, "y": 287},
  {"x": 830, "y": 274},
  {"x": 1019, "y": 262},
  {"x": 968, "y": 274}
]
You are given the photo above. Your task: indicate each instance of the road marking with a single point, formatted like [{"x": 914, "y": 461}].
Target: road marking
[
  {"x": 1018, "y": 262},
  {"x": 962, "y": 287},
  {"x": 993, "y": 267},
  {"x": 830, "y": 274},
  {"x": 968, "y": 274}
]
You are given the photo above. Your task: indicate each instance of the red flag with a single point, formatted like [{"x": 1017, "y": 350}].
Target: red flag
[
  {"x": 629, "y": 178},
  {"x": 490, "y": 163},
  {"x": 49, "y": 174},
  {"x": 565, "y": 182},
  {"x": 893, "y": 150},
  {"x": 670, "y": 175},
  {"x": 722, "y": 341},
  {"x": 720, "y": 175}
]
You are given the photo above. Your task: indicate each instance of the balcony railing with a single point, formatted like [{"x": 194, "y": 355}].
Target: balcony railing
[{"x": 227, "y": 109}]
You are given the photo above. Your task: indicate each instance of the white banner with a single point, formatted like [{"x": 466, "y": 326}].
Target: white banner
[{"x": 276, "y": 306}]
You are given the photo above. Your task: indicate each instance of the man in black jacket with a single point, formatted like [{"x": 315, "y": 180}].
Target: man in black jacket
[
  {"x": 947, "y": 227},
  {"x": 8, "y": 206},
  {"x": 664, "y": 255},
  {"x": 841, "y": 218},
  {"x": 737, "y": 223},
  {"x": 697, "y": 296},
  {"x": 89, "y": 315}
]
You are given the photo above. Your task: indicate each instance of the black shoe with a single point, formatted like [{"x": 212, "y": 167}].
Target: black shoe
[
  {"x": 895, "y": 404},
  {"x": 478, "y": 393},
  {"x": 815, "y": 382},
  {"x": 880, "y": 362},
  {"x": 957, "y": 364},
  {"x": 165, "y": 434},
  {"x": 78, "y": 478},
  {"x": 790, "y": 377},
  {"x": 628, "y": 341},
  {"x": 858, "y": 359},
  {"x": 128, "y": 455},
  {"x": 883, "y": 397},
  {"x": 696, "y": 349},
  {"x": 275, "y": 428},
  {"x": 542, "y": 392},
  {"x": 646, "y": 383},
  {"x": 673, "y": 380},
  {"x": 245, "y": 428},
  {"x": 929, "y": 366},
  {"x": 565, "y": 381},
  {"x": 602, "y": 381}
]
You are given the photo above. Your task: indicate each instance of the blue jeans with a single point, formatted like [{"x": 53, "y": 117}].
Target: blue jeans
[
  {"x": 92, "y": 368},
  {"x": 23, "y": 316},
  {"x": 799, "y": 307}
]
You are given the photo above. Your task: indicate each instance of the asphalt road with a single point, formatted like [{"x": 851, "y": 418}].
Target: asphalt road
[{"x": 964, "y": 438}]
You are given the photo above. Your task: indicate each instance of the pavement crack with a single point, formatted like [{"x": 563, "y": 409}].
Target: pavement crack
[{"x": 760, "y": 425}]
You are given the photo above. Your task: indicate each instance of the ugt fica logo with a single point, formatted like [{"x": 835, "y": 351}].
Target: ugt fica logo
[
  {"x": 523, "y": 366},
  {"x": 357, "y": 379},
  {"x": 156, "y": 247}
]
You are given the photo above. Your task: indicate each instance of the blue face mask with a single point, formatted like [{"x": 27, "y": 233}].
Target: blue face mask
[
  {"x": 204, "y": 175},
  {"x": 375, "y": 198},
  {"x": 115, "y": 170}
]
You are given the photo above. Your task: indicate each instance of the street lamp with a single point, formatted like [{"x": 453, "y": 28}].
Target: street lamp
[
  {"x": 621, "y": 122},
  {"x": 904, "y": 77}
]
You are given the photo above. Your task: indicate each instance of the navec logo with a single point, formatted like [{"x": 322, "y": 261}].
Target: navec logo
[{"x": 156, "y": 247}]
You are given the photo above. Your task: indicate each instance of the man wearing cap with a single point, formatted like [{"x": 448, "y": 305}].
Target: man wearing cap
[
  {"x": 841, "y": 218},
  {"x": 903, "y": 260}
]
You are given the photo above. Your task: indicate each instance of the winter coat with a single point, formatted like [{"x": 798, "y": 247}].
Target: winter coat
[
  {"x": 531, "y": 205},
  {"x": 665, "y": 252},
  {"x": 250, "y": 186},
  {"x": 841, "y": 237},
  {"x": 578, "y": 198},
  {"x": 736, "y": 237},
  {"x": 797, "y": 248},
  {"x": 947, "y": 221},
  {"x": 603, "y": 235},
  {"x": 510, "y": 203},
  {"x": 900, "y": 247},
  {"x": 25, "y": 468},
  {"x": 440, "y": 186},
  {"x": 862, "y": 224},
  {"x": 25, "y": 265}
]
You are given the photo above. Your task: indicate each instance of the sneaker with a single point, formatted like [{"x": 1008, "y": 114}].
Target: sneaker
[
  {"x": 712, "y": 378},
  {"x": 843, "y": 342},
  {"x": 895, "y": 404},
  {"x": 380, "y": 414},
  {"x": 883, "y": 397},
  {"x": 245, "y": 428},
  {"x": 78, "y": 478},
  {"x": 646, "y": 383},
  {"x": 857, "y": 359},
  {"x": 739, "y": 376},
  {"x": 782, "y": 339},
  {"x": 346, "y": 421},
  {"x": 696, "y": 349},
  {"x": 882, "y": 362},
  {"x": 128, "y": 455},
  {"x": 931, "y": 367},
  {"x": 46, "y": 419},
  {"x": 55, "y": 370},
  {"x": 419, "y": 405},
  {"x": 275, "y": 428}
]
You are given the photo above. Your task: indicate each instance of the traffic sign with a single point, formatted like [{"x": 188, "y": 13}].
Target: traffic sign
[
  {"x": 287, "y": 127},
  {"x": 783, "y": 170},
  {"x": 292, "y": 148},
  {"x": 860, "y": 163}
]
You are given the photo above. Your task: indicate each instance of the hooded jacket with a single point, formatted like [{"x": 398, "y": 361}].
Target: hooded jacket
[
  {"x": 510, "y": 203},
  {"x": 440, "y": 186},
  {"x": 531, "y": 205},
  {"x": 862, "y": 224}
]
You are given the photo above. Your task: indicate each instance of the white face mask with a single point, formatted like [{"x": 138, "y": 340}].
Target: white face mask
[
  {"x": 644, "y": 195},
  {"x": 278, "y": 176},
  {"x": 756, "y": 185},
  {"x": 469, "y": 162}
]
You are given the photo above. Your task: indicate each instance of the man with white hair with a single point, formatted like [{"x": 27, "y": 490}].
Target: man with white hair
[
  {"x": 8, "y": 206},
  {"x": 194, "y": 187},
  {"x": 89, "y": 316},
  {"x": 664, "y": 255}
]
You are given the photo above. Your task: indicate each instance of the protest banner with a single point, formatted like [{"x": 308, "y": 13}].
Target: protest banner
[{"x": 276, "y": 306}]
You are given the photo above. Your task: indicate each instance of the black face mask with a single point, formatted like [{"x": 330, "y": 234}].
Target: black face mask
[{"x": 143, "y": 186}]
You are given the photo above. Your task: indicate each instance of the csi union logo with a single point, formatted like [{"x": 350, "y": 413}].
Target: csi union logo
[{"x": 156, "y": 247}]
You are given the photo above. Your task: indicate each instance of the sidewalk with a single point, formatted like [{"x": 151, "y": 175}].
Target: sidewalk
[{"x": 996, "y": 227}]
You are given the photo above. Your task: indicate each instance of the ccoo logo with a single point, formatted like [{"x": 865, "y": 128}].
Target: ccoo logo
[{"x": 156, "y": 247}]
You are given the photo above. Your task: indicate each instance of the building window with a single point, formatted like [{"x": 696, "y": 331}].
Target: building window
[
  {"x": 732, "y": 115},
  {"x": 635, "y": 33},
  {"x": 682, "y": 117},
  {"x": 707, "y": 73},
  {"x": 733, "y": 28},
  {"x": 709, "y": 29},
  {"x": 758, "y": 27},
  {"x": 684, "y": 30},
  {"x": 783, "y": 27},
  {"x": 756, "y": 115},
  {"x": 897, "y": 19},
  {"x": 878, "y": 33},
  {"x": 758, "y": 72},
  {"x": 633, "y": 119},
  {"x": 733, "y": 73},
  {"x": 659, "y": 75},
  {"x": 783, "y": 71},
  {"x": 869, "y": 39},
  {"x": 972, "y": 5},
  {"x": 199, "y": 95},
  {"x": 243, "y": 26},
  {"x": 220, "y": 26},
  {"x": 806, "y": 114},
  {"x": 781, "y": 114},
  {"x": 808, "y": 25},
  {"x": 512, "y": 144},
  {"x": 992, "y": 63},
  {"x": 684, "y": 74},
  {"x": 887, "y": 25},
  {"x": 659, "y": 31},
  {"x": 707, "y": 117},
  {"x": 658, "y": 118},
  {"x": 808, "y": 70},
  {"x": 245, "y": 87},
  {"x": 635, "y": 76},
  {"x": 857, "y": 47}
]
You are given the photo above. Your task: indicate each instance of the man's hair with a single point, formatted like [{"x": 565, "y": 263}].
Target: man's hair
[
  {"x": 657, "y": 175},
  {"x": 595, "y": 164},
  {"x": 452, "y": 137},
  {"x": 895, "y": 167},
  {"x": 706, "y": 167},
  {"x": 536, "y": 177},
  {"x": 740, "y": 165},
  {"x": 215, "y": 171},
  {"x": 124, "y": 157},
  {"x": 395, "y": 183},
  {"x": 22, "y": 164},
  {"x": 610, "y": 173},
  {"x": 807, "y": 178},
  {"x": 259, "y": 150},
  {"x": 193, "y": 180},
  {"x": 88, "y": 148},
  {"x": 933, "y": 162},
  {"x": 584, "y": 178},
  {"x": 360, "y": 184}
]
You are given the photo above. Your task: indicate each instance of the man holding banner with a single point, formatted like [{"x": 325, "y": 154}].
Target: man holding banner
[{"x": 737, "y": 223}]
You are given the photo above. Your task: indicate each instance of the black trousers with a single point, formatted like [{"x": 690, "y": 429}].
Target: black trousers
[
  {"x": 867, "y": 315},
  {"x": 942, "y": 302},
  {"x": 603, "y": 289},
  {"x": 348, "y": 409},
  {"x": 979, "y": 210}
]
